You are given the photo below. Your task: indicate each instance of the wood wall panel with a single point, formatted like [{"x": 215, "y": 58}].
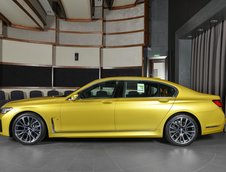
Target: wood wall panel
[
  {"x": 124, "y": 26},
  {"x": 124, "y": 39},
  {"x": 80, "y": 39},
  {"x": 93, "y": 26},
  {"x": 31, "y": 35}
]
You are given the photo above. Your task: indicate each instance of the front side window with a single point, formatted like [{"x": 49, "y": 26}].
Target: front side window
[
  {"x": 147, "y": 89},
  {"x": 101, "y": 90}
]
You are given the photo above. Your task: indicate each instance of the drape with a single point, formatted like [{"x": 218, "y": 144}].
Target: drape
[{"x": 208, "y": 62}]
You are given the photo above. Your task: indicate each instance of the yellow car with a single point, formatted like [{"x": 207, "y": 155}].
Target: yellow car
[{"x": 128, "y": 107}]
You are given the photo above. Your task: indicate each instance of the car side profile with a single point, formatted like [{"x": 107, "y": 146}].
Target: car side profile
[{"x": 117, "y": 107}]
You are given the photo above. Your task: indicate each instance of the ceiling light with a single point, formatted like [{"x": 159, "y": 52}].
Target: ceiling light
[
  {"x": 200, "y": 30},
  {"x": 213, "y": 21},
  {"x": 189, "y": 36}
]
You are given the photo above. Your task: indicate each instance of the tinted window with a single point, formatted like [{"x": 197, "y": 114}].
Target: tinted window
[
  {"x": 166, "y": 91},
  {"x": 101, "y": 90},
  {"x": 140, "y": 89},
  {"x": 146, "y": 89}
]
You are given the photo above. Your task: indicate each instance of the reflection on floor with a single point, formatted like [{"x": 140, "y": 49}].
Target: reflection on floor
[{"x": 207, "y": 154}]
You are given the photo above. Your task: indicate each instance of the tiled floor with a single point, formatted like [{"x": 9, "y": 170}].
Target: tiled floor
[{"x": 207, "y": 154}]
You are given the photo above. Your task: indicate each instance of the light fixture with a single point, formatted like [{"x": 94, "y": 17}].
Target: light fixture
[
  {"x": 200, "y": 30},
  {"x": 189, "y": 36},
  {"x": 213, "y": 21}
]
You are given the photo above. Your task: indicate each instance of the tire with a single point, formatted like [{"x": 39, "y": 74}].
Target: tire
[
  {"x": 181, "y": 130},
  {"x": 28, "y": 128}
]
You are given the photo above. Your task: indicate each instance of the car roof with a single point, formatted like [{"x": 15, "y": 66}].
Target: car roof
[
  {"x": 130, "y": 78},
  {"x": 137, "y": 78}
]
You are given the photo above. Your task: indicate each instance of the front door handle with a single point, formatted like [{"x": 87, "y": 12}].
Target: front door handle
[
  {"x": 163, "y": 100},
  {"x": 107, "y": 102}
]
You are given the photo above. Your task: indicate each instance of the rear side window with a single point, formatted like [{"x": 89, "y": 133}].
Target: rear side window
[
  {"x": 147, "y": 89},
  {"x": 166, "y": 91}
]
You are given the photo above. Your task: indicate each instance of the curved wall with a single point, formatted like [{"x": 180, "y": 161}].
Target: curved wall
[
  {"x": 124, "y": 27},
  {"x": 110, "y": 46}
]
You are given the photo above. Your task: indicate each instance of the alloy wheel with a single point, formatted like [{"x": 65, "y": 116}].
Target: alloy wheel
[
  {"x": 182, "y": 130},
  {"x": 27, "y": 129}
]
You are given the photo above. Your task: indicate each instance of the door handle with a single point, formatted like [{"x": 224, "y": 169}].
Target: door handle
[
  {"x": 106, "y": 102},
  {"x": 163, "y": 100}
]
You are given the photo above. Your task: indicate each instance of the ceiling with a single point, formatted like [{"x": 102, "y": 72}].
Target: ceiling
[
  {"x": 33, "y": 13},
  {"x": 18, "y": 12}
]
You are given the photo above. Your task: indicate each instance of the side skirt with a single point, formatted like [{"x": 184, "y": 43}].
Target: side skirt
[{"x": 109, "y": 134}]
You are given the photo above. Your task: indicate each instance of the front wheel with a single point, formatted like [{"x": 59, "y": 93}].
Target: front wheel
[
  {"x": 28, "y": 128},
  {"x": 181, "y": 130}
]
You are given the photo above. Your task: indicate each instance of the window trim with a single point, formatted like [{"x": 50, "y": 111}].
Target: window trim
[
  {"x": 92, "y": 86},
  {"x": 156, "y": 82}
]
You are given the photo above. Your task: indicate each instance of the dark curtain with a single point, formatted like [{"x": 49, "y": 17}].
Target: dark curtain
[{"x": 208, "y": 61}]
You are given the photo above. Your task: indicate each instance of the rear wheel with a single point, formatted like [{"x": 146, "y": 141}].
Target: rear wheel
[
  {"x": 28, "y": 128},
  {"x": 181, "y": 130}
]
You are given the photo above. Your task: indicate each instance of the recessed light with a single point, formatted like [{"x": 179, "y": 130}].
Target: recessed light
[
  {"x": 213, "y": 21},
  {"x": 200, "y": 30}
]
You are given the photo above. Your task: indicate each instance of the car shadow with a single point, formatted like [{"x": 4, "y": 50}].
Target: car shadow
[
  {"x": 99, "y": 140},
  {"x": 117, "y": 140}
]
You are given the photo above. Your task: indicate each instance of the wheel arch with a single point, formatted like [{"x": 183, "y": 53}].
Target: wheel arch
[
  {"x": 11, "y": 122},
  {"x": 186, "y": 113}
]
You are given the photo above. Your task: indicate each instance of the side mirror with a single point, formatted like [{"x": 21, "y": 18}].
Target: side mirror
[{"x": 73, "y": 97}]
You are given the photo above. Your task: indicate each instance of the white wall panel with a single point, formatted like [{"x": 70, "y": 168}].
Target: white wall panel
[
  {"x": 124, "y": 13},
  {"x": 94, "y": 26},
  {"x": 88, "y": 57},
  {"x": 45, "y": 36},
  {"x": 28, "y": 53},
  {"x": 124, "y": 39},
  {"x": 80, "y": 39},
  {"x": 124, "y": 26},
  {"x": 122, "y": 57}
]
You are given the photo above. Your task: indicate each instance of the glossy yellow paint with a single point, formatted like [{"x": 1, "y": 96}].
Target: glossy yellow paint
[{"x": 118, "y": 117}]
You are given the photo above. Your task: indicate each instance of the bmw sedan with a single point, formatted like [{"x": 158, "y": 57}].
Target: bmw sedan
[{"x": 119, "y": 107}]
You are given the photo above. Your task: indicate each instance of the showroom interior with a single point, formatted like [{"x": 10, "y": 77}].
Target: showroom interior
[{"x": 53, "y": 47}]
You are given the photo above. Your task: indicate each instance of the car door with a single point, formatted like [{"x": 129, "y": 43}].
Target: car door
[
  {"x": 143, "y": 105},
  {"x": 93, "y": 110}
]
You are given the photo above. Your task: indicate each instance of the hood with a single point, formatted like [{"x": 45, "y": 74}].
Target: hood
[{"x": 35, "y": 101}]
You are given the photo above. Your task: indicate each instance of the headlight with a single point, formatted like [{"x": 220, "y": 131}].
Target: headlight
[{"x": 5, "y": 110}]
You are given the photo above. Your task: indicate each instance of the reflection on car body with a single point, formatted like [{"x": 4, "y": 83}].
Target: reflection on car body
[{"x": 116, "y": 107}]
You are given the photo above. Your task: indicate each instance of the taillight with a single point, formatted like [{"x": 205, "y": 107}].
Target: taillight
[{"x": 218, "y": 103}]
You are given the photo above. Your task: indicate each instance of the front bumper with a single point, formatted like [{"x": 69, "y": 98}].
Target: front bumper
[
  {"x": 0, "y": 125},
  {"x": 225, "y": 126},
  {"x": 4, "y": 125}
]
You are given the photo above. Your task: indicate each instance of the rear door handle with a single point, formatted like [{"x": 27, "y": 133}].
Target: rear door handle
[{"x": 107, "y": 102}]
